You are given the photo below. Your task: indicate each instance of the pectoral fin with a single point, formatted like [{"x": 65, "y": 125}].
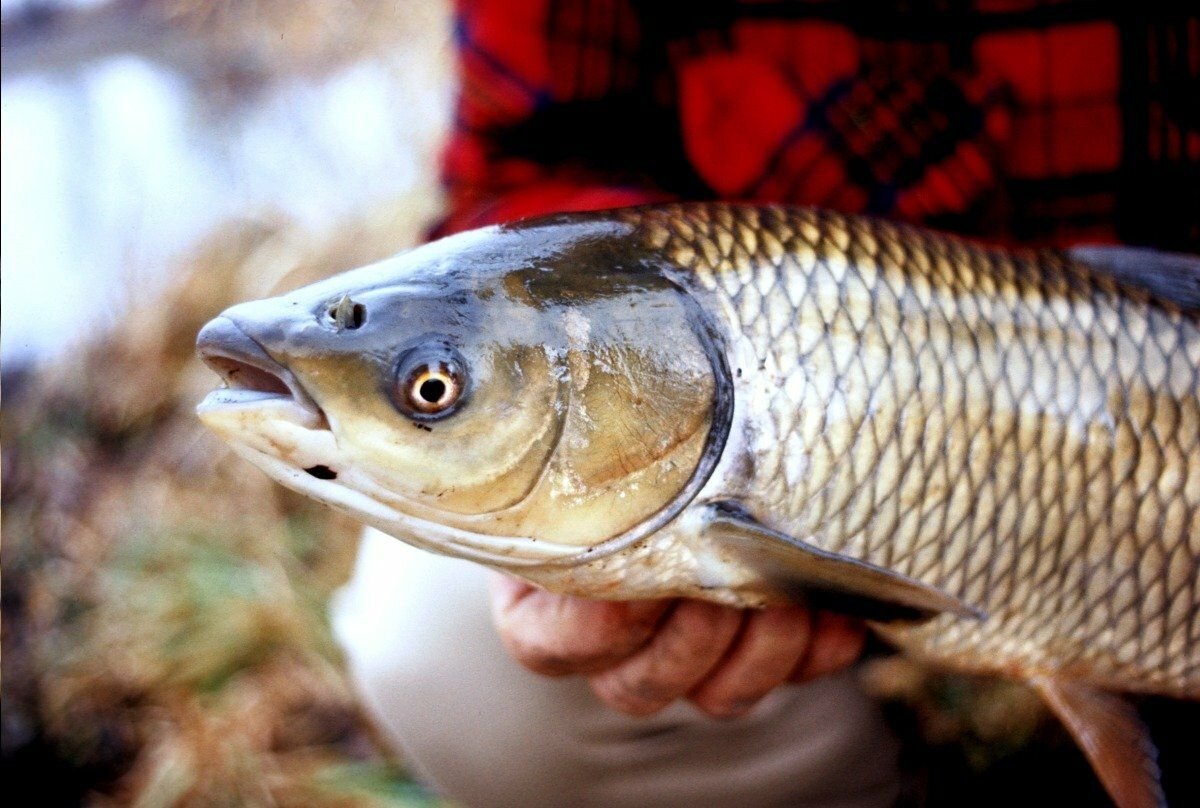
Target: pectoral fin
[
  {"x": 812, "y": 575},
  {"x": 1112, "y": 736}
]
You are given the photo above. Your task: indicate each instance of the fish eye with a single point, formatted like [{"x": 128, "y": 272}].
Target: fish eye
[
  {"x": 429, "y": 383},
  {"x": 432, "y": 389}
]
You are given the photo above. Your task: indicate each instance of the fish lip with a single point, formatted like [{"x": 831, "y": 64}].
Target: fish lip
[{"x": 249, "y": 372}]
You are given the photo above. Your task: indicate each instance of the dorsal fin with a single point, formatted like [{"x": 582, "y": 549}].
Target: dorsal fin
[
  {"x": 1112, "y": 736},
  {"x": 1174, "y": 277}
]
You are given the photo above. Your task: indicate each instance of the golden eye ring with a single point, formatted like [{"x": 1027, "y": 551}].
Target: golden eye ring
[
  {"x": 430, "y": 382},
  {"x": 432, "y": 389}
]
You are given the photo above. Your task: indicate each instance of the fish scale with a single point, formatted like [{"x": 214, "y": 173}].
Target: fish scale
[{"x": 1013, "y": 428}]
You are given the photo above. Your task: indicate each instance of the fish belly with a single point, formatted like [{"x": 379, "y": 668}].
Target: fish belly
[{"x": 1013, "y": 428}]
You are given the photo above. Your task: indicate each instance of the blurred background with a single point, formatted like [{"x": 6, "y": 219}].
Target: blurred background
[
  {"x": 164, "y": 608},
  {"x": 165, "y": 630},
  {"x": 134, "y": 128}
]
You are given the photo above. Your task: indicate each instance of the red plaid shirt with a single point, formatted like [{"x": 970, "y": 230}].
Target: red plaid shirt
[{"x": 1034, "y": 121}]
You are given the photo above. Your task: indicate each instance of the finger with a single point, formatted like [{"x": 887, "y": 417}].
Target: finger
[
  {"x": 557, "y": 635},
  {"x": 837, "y": 641},
  {"x": 772, "y": 642},
  {"x": 506, "y": 590},
  {"x": 685, "y": 648}
]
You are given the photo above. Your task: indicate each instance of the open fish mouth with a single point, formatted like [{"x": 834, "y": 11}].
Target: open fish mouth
[{"x": 252, "y": 377}]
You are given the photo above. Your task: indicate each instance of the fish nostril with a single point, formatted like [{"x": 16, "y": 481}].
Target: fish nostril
[{"x": 347, "y": 315}]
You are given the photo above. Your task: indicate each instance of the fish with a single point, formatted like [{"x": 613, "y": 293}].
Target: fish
[{"x": 992, "y": 455}]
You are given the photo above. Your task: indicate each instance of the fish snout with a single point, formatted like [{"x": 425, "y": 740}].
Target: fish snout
[{"x": 244, "y": 365}]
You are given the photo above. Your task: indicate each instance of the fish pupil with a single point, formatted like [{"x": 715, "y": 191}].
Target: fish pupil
[{"x": 432, "y": 390}]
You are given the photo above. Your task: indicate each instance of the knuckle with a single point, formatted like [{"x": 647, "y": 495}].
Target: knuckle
[
  {"x": 846, "y": 652},
  {"x": 835, "y": 646},
  {"x": 730, "y": 698},
  {"x": 534, "y": 654},
  {"x": 699, "y": 617},
  {"x": 699, "y": 630},
  {"x": 538, "y": 649},
  {"x": 560, "y": 656},
  {"x": 606, "y": 646},
  {"x": 610, "y": 632},
  {"x": 726, "y": 708},
  {"x": 628, "y": 697},
  {"x": 788, "y": 620},
  {"x": 652, "y": 687},
  {"x": 586, "y": 657},
  {"x": 560, "y": 643}
]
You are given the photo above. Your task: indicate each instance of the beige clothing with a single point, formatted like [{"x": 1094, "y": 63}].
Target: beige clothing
[{"x": 485, "y": 732}]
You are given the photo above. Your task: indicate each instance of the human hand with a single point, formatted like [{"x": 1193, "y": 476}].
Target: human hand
[{"x": 639, "y": 656}]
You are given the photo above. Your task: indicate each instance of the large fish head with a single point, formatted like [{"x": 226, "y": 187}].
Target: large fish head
[{"x": 517, "y": 395}]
